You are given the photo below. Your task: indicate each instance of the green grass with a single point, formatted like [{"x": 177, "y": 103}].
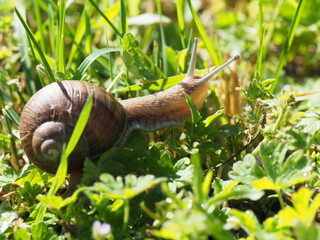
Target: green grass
[{"x": 245, "y": 166}]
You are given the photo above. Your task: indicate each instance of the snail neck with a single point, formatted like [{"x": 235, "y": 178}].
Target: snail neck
[{"x": 164, "y": 109}]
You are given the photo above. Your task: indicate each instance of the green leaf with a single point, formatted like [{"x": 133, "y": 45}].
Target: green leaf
[
  {"x": 197, "y": 177},
  {"x": 42, "y": 231},
  {"x": 6, "y": 219},
  {"x": 21, "y": 234},
  {"x": 289, "y": 174},
  {"x": 247, "y": 220},
  {"x": 129, "y": 42},
  {"x": 56, "y": 202},
  {"x": 212, "y": 118},
  {"x": 128, "y": 188},
  {"x": 213, "y": 52},
  {"x": 195, "y": 114},
  {"x": 11, "y": 114},
  {"x": 90, "y": 59},
  {"x": 234, "y": 191},
  {"x": 290, "y": 37},
  {"x": 303, "y": 211},
  {"x": 247, "y": 171},
  {"x": 272, "y": 156},
  {"x": 310, "y": 122},
  {"x": 229, "y": 130},
  {"x": 7, "y": 175},
  {"x": 279, "y": 172},
  {"x": 105, "y": 18},
  {"x": 36, "y": 45}
]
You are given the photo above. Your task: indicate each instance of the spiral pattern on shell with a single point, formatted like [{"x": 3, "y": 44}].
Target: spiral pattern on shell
[{"x": 48, "y": 119}]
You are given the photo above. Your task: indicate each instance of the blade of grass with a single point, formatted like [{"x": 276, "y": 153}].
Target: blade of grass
[
  {"x": 90, "y": 59},
  {"x": 287, "y": 45},
  {"x": 88, "y": 45},
  {"x": 60, "y": 42},
  {"x": 163, "y": 41},
  {"x": 51, "y": 26},
  {"x": 36, "y": 45},
  {"x": 197, "y": 176},
  {"x": 10, "y": 113},
  {"x": 80, "y": 31},
  {"x": 179, "y": 6},
  {"x": 76, "y": 134},
  {"x": 61, "y": 174},
  {"x": 212, "y": 51},
  {"x": 261, "y": 36},
  {"x": 106, "y": 18},
  {"x": 123, "y": 17},
  {"x": 272, "y": 25},
  {"x": 28, "y": 70},
  {"x": 39, "y": 25}
]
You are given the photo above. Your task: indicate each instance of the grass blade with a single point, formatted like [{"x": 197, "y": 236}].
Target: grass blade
[
  {"x": 88, "y": 36},
  {"x": 179, "y": 6},
  {"x": 60, "y": 42},
  {"x": 287, "y": 45},
  {"x": 163, "y": 41},
  {"x": 261, "y": 37},
  {"x": 80, "y": 31},
  {"x": 106, "y": 18},
  {"x": 76, "y": 134},
  {"x": 123, "y": 17},
  {"x": 51, "y": 77},
  {"x": 39, "y": 23},
  {"x": 213, "y": 52},
  {"x": 90, "y": 59}
]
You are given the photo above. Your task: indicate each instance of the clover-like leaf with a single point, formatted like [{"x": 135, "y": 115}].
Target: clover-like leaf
[
  {"x": 247, "y": 171},
  {"x": 131, "y": 186},
  {"x": 276, "y": 171}
]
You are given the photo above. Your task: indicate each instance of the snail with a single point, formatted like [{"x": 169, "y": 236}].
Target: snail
[{"x": 48, "y": 118}]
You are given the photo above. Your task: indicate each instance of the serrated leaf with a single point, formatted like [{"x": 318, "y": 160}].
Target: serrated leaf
[
  {"x": 278, "y": 171},
  {"x": 126, "y": 188},
  {"x": 247, "y": 171},
  {"x": 272, "y": 156}
]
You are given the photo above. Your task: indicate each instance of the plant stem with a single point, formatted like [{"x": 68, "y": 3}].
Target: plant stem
[
  {"x": 279, "y": 119},
  {"x": 116, "y": 79},
  {"x": 280, "y": 198},
  {"x": 126, "y": 216}
]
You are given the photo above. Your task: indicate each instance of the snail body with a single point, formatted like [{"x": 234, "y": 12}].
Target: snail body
[{"x": 48, "y": 119}]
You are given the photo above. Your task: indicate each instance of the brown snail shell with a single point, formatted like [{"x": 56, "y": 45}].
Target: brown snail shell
[
  {"x": 58, "y": 106},
  {"x": 48, "y": 119}
]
